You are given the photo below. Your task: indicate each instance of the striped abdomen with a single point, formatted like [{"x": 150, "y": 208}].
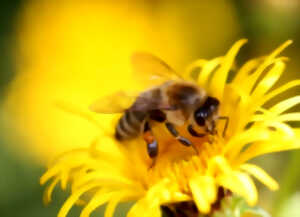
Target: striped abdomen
[{"x": 130, "y": 125}]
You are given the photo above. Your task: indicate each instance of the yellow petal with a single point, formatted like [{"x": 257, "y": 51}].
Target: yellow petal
[
  {"x": 285, "y": 105},
  {"x": 49, "y": 174},
  {"x": 275, "y": 144},
  {"x": 201, "y": 201},
  {"x": 280, "y": 90},
  {"x": 247, "y": 81},
  {"x": 280, "y": 49},
  {"x": 111, "y": 207},
  {"x": 246, "y": 69},
  {"x": 285, "y": 128},
  {"x": 269, "y": 79},
  {"x": 208, "y": 186},
  {"x": 180, "y": 197},
  {"x": 64, "y": 179},
  {"x": 249, "y": 188},
  {"x": 105, "y": 179},
  {"x": 220, "y": 76},
  {"x": 295, "y": 116},
  {"x": 48, "y": 191},
  {"x": 207, "y": 71},
  {"x": 145, "y": 208},
  {"x": 248, "y": 84},
  {"x": 241, "y": 184},
  {"x": 116, "y": 198},
  {"x": 198, "y": 64},
  {"x": 261, "y": 175},
  {"x": 218, "y": 165},
  {"x": 73, "y": 198},
  {"x": 72, "y": 159},
  {"x": 97, "y": 200},
  {"x": 235, "y": 145}
]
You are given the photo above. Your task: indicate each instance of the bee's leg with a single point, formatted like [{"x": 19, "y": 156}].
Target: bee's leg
[
  {"x": 226, "y": 118},
  {"x": 152, "y": 148},
  {"x": 152, "y": 145},
  {"x": 182, "y": 140},
  {"x": 194, "y": 132}
]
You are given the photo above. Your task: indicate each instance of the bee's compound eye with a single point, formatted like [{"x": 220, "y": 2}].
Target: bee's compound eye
[
  {"x": 211, "y": 103},
  {"x": 200, "y": 115}
]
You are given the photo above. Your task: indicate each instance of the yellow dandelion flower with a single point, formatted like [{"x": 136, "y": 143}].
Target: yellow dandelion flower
[{"x": 110, "y": 173}]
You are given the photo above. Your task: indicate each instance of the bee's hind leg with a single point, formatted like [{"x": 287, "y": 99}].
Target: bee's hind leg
[
  {"x": 171, "y": 128},
  {"x": 152, "y": 144}
]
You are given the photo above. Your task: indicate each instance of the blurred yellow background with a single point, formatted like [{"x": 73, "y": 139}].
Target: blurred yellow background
[{"x": 77, "y": 51}]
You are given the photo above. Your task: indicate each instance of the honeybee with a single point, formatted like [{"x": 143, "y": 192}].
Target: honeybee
[{"x": 171, "y": 100}]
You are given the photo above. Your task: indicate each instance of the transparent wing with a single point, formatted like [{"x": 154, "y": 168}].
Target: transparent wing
[
  {"x": 116, "y": 103},
  {"x": 150, "y": 100},
  {"x": 120, "y": 101},
  {"x": 150, "y": 70}
]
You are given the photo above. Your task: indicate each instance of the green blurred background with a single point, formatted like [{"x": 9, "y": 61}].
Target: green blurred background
[{"x": 190, "y": 29}]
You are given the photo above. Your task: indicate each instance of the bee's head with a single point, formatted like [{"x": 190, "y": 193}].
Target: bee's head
[{"x": 206, "y": 115}]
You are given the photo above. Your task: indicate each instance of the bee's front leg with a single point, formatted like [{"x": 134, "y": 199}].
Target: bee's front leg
[
  {"x": 171, "y": 128},
  {"x": 194, "y": 132}
]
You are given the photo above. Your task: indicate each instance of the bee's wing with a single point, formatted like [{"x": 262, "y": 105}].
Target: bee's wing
[
  {"x": 151, "y": 70},
  {"x": 118, "y": 102},
  {"x": 148, "y": 102}
]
